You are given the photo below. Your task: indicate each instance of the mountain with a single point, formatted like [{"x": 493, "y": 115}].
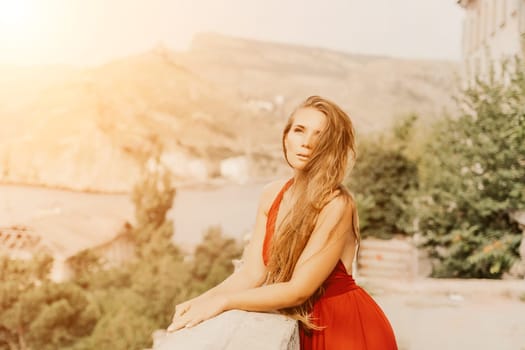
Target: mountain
[
  {"x": 89, "y": 129},
  {"x": 374, "y": 90}
]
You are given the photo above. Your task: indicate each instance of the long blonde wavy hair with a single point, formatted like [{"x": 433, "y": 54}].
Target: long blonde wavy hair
[{"x": 315, "y": 185}]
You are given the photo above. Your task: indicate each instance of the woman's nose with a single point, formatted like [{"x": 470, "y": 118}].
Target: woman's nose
[{"x": 307, "y": 141}]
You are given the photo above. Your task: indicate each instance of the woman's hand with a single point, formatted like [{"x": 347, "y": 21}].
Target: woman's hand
[
  {"x": 182, "y": 308},
  {"x": 189, "y": 314}
]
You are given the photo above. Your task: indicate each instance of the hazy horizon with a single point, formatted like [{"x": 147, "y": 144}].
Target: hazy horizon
[{"x": 92, "y": 33}]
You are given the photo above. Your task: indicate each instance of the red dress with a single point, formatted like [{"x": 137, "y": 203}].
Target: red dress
[{"x": 350, "y": 317}]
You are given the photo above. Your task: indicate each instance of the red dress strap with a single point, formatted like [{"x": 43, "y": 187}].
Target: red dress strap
[{"x": 270, "y": 221}]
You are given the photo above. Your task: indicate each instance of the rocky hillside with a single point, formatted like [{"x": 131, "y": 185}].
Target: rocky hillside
[
  {"x": 374, "y": 90},
  {"x": 88, "y": 129}
]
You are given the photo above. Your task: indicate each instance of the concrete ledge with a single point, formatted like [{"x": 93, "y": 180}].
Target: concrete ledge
[{"x": 234, "y": 330}]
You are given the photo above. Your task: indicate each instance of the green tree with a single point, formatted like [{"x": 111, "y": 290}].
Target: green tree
[
  {"x": 213, "y": 260},
  {"x": 474, "y": 177},
  {"x": 139, "y": 296},
  {"x": 153, "y": 198},
  {"x": 385, "y": 180},
  {"x": 37, "y": 313}
]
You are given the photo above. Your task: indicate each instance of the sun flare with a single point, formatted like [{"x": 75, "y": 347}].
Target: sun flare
[{"x": 15, "y": 16}]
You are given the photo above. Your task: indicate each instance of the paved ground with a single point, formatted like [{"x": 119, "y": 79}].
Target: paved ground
[{"x": 454, "y": 314}]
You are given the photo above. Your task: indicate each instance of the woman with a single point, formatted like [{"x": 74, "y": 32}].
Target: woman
[{"x": 305, "y": 239}]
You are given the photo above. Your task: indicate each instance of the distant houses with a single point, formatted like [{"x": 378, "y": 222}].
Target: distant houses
[
  {"x": 23, "y": 242},
  {"x": 260, "y": 105},
  {"x": 236, "y": 169},
  {"x": 189, "y": 169},
  {"x": 63, "y": 224},
  {"x": 184, "y": 166},
  {"x": 19, "y": 242}
]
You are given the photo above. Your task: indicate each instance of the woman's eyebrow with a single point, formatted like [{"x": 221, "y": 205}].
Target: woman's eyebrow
[{"x": 303, "y": 127}]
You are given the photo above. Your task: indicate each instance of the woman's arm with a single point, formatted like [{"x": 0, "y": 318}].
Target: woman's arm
[
  {"x": 317, "y": 261},
  {"x": 252, "y": 272}
]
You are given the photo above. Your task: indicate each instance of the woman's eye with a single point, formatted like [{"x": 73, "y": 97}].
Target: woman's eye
[{"x": 297, "y": 129}]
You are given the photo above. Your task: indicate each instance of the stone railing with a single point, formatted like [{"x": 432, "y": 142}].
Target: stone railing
[{"x": 234, "y": 330}]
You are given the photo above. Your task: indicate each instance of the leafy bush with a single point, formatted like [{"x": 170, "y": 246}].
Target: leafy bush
[
  {"x": 37, "y": 313},
  {"x": 139, "y": 296},
  {"x": 384, "y": 180},
  {"x": 475, "y": 176},
  {"x": 213, "y": 259},
  {"x": 153, "y": 198}
]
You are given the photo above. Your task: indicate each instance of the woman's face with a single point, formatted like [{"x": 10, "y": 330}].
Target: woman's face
[{"x": 308, "y": 123}]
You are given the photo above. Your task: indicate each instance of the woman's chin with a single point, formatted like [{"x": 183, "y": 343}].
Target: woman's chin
[{"x": 298, "y": 167}]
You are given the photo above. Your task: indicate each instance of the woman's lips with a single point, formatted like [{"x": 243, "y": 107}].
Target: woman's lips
[{"x": 302, "y": 157}]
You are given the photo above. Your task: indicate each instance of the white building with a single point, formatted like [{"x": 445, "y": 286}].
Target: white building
[
  {"x": 492, "y": 33},
  {"x": 62, "y": 243},
  {"x": 236, "y": 168}
]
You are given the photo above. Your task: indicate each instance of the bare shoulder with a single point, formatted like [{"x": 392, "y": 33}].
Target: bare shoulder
[
  {"x": 269, "y": 192},
  {"x": 340, "y": 204}
]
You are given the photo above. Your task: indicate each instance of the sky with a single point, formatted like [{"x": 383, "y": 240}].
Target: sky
[{"x": 92, "y": 32}]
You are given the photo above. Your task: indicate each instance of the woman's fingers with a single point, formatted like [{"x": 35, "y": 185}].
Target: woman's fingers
[
  {"x": 190, "y": 315},
  {"x": 179, "y": 321},
  {"x": 173, "y": 327},
  {"x": 194, "y": 322},
  {"x": 183, "y": 323},
  {"x": 177, "y": 324},
  {"x": 181, "y": 309}
]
